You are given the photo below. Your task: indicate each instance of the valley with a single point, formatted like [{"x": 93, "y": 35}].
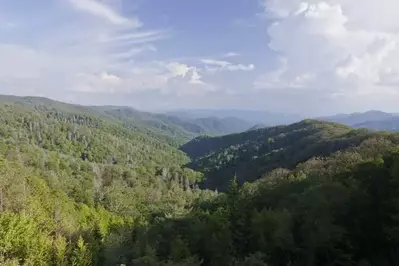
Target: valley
[{"x": 108, "y": 185}]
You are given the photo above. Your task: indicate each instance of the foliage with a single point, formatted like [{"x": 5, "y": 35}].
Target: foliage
[
  {"x": 251, "y": 154},
  {"x": 73, "y": 185},
  {"x": 80, "y": 187}
]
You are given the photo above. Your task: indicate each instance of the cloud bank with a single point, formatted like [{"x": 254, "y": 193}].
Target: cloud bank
[
  {"x": 302, "y": 56},
  {"x": 339, "y": 47}
]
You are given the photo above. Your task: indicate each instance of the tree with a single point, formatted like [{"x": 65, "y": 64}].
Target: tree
[{"x": 81, "y": 255}]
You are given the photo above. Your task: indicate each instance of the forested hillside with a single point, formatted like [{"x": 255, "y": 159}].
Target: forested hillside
[
  {"x": 84, "y": 186},
  {"x": 167, "y": 128},
  {"x": 250, "y": 154},
  {"x": 340, "y": 210},
  {"x": 71, "y": 184},
  {"x": 179, "y": 128}
]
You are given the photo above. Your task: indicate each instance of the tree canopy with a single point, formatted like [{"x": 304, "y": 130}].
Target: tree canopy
[{"x": 78, "y": 187}]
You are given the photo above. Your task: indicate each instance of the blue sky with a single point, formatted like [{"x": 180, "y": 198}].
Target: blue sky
[{"x": 312, "y": 57}]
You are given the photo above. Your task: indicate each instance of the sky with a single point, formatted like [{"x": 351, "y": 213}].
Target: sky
[{"x": 309, "y": 57}]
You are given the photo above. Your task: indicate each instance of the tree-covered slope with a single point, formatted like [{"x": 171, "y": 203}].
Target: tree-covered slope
[
  {"x": 222, "y": 126},
  {"x": 337, "y": 210},
  {"x": 83, "y": 136},
  {"x": 250, "y": 154},
  {"x": 166, "y": 128},
  {"x": 72, "y": 184},
  {"x": 184, "y": 128},
  {"x": 80, "y": 187},
  {"x": 256, "y": 127}
]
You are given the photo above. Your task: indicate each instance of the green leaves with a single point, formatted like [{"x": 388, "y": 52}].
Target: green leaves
[
  {"x": 81, "y": 255},
  {"x": 21, "y": 239}
]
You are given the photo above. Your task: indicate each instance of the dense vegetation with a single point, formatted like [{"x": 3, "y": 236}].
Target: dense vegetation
[
  {"x": 81, "y": 187},
  {"x": 169, "y": 129},
  {"x": 71, "y": 184},
  {"x": 341, "y": 210},
  {"x": 250, "y": 154}
]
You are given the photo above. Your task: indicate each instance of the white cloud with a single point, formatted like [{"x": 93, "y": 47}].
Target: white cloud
[
  {"x": 110, "y": 78},
  {"x": 185, "y": 80},
  {"x": 96, "y": 83},
  {"x": 139, "y": 37},
  {"x": 213, "y": 66},
  {"x": 166, "y": 78},
  {"x": 241, "y": 67},
  {"x": 182, "y": 70},
  {"x": 231, "y": 54},
  {"x": 334, "y": 46},
  {"x": 91, "y": 58},
  {"x": 177, "y": 69},
  {"x": 99, "y": 9},
  {"x": 135, "y": 51},
  {"x": 215, "y": 62}
]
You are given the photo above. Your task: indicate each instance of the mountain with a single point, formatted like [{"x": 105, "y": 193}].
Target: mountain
[
  {"x": 219, "y": 126},
  {"x": 104, "y": 186},
  {"x": 373, "y": 120},
  {"x": 251, "y": 154},
  {"x": 175, "y": 125},
  {"x": 252, "y": 116},
  {"x": 73, "y": 179},
  {"x": 171, "y": 129},
  {"x": 390, "y": 124},
  {"x": 358, "y": 118},
  {"x": 335, "y": 210},
  {"x": 257, "y": 126}
]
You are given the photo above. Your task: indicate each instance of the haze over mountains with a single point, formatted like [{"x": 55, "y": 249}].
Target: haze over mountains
[
  {"x": 188, "y": 123},
  {"x": 372, "y": 119},
  {"x": 165, "y": 125},
  {"x": 252, "y": 116},
  {"x": 376, "y": 120}
]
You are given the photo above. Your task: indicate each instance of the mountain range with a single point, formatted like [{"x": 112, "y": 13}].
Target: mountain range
[
  {"x": 109, "y": 185},
  {"x": 252, "y": 116},
  {"x": 374, "y": 120},
  {"x": 173, "y": 129}
]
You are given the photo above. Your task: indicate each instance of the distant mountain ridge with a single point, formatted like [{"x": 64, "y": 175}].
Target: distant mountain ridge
[
  {"x": 391, "y": 124},
  {"x": 252, "y": 116},
  {"x": 174, "y": 130},
  {"x": 358, "y": 118},
  {"x": 177, "y": 125},
  {"x": 374, "y": 120},
  {"x": 257, "y": 126}
]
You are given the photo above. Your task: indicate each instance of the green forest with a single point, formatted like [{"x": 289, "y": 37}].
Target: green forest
[{"x": 110, "y": 185}]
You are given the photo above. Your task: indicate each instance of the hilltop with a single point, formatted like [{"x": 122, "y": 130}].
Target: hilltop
[{"x": 251, "y": 154}]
